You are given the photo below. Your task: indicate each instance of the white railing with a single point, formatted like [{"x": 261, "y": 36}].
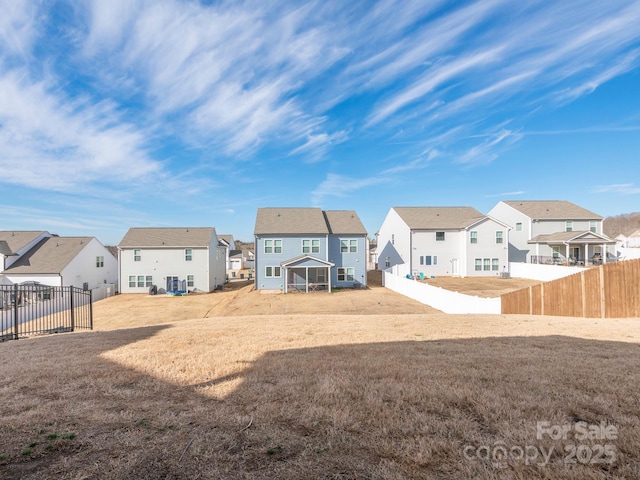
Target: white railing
[{"x": 439, "y": 298}]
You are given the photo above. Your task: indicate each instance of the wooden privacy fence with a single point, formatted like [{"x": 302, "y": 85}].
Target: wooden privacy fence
[{"x": 608, "y": 291}]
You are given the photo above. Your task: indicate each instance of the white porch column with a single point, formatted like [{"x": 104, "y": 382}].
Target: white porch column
[
  {"x": 329, "y": 277},
  {"x": 604, "y": 253},
  {"x": 306, "y": 281},
  {"x": 566, "y": 252}
]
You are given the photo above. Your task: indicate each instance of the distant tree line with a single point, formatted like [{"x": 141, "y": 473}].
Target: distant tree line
[{"x": 625, "y": 224}]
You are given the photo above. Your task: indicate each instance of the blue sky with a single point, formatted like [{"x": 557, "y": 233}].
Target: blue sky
[{"x": 182, "y": 113}]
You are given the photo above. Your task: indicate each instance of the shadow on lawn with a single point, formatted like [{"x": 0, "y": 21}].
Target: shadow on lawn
[{"x": 383, "y": 410}]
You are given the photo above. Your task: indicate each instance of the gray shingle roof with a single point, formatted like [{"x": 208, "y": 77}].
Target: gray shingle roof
[
  {"x": 552, "y": 210},
  {"x": 307, "y": 221},
  {"x": 168, "y": 237},
  {"x": 4, "y": 248},
  {"x": 445, "y": 218},
  {"x": 290, "y": 221},
  {"x": 50, "y": 255},
  {"x": 227, "y": 238},
  {"x": 18, "y": 239},
  {"x": 567, "y": 236},
  {"x": 344, "y": 222}
]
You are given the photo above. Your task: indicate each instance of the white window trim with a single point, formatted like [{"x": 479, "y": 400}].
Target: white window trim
[
  {"x": 345, "y": 274},
  {"x": 273, "y": 246},
  {"x": 273, "y": 275}
]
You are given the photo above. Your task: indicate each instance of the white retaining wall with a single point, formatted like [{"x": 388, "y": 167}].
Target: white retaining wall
[
  {"x": 436, "y": 297},
  {"x": 544, "y": 273}
]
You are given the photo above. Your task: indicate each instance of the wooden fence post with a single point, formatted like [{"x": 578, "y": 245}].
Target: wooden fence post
[{"x": 602, "y": 289}]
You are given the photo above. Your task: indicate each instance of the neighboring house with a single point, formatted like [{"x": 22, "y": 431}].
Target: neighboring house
[
  {"x": 553, "y": 231},
  {"x": 226, "y": 241},
  {"x": 236, "y": 260},
  {"x": 442, "y": 241},
  {"x": 188, "y": 259},
  {"x": 373, "y": 256},
  {"x": 249, "y": 259},
  {"x": 308, "y": 249},
  {"x": 40, "y": 257}
]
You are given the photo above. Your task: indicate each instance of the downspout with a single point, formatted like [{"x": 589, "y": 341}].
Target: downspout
[{"x": 411, "y": 233}]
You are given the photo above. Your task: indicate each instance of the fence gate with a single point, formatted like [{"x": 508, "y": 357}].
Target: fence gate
[{"x": 39, "y": 309}]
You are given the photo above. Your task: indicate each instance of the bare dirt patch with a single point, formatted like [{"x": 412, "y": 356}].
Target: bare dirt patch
[{"x": 319, "y": 396}]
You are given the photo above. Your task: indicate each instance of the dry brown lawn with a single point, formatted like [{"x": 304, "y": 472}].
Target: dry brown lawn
[
  {"x": 487, "y": 287},
  {"x": 353, "y": 395}
]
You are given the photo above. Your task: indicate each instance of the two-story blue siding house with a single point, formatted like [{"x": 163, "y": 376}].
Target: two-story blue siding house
[{"x": 308, "y": 249}]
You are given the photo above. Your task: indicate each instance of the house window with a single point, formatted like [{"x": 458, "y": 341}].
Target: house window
[
  {"x": 592, "y": 226},
  {"x": 346, "y": 274},
  {"x": 137, "y": 256},
  {"x": 387, "y": 262},
  {"x": 273, "y": 246},
  {"x": 99, "y": 262},
  {"x": 190, "y": 281},
  {"x": 393, "y": 239},
  {"x": 310, "y": 246},
  {"x": 498, "y": 237},
  {"x": 427, "y": 260},
  {"x": 495, "y": 264},
  {"x": 568, "y": 226},
  {"x": 487, "y": 264},
  {"x": 435, "y": 259},
  {"x": 272, "y": 272},
  {"x": 141, "y": 280},
  {"x": 188, "y": 255},
  {"x": 478, "y": 264},
  {"x": 421, "y": 260},
  {"x": 556, "y": 252},
  {"x": 132, "y": 281},
  {"x": 439, "y": 236},
  {"x": 518, "y": 227},
  {"x": 474, "y": 237},
  {"x": 348, "y": 246}
]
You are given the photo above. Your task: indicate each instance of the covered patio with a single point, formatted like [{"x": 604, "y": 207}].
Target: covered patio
[
  {"x": 307, "y": 274},
  {"x": 572, "y": 248}
]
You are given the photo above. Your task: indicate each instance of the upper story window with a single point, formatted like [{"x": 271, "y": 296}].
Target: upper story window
[
  {"x": 349, "y": 246},
  {"x": 188, "y": 255},
  {"x": 273, "y": 246},
  {"x": 568, "y": 226},
  {"x": 310, "y": 246},
  {"x": 474, "y": 237},
  {"x": 393, "y": 239},
  {"x": 137, "y": 256},
  {"x": 99, "y": 262},
  {"x": 498, "y": 236},
  {"x": 439, "y": 236},
  {"x": 593, "y": 227},
  {"x": 519, "y": 227}
]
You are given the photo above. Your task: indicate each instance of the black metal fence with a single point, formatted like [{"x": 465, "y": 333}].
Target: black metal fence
[{"x": 39, "y": 309}]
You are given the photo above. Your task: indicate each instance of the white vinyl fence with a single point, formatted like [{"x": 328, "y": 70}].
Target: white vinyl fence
[
  {"x": 544, "y": 273},
  {"x": 439, "y": 298},
  {"x": 103, "y": 291}
]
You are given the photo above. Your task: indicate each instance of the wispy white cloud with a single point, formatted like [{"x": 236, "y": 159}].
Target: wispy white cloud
[
  {"x": 317, "y": 144},
  {"x": 423, "y": 161},
  {"x": 507, "y": 194},
  {"x": 341, "y": 186},
  {"x": 619, "y": 188},
  {"x": 485, "y": 152},
  {"x": 17, "y": 27},
  {"x": 53, "y": 143}
]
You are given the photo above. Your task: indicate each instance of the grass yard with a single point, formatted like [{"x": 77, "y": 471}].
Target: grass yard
[{"x": 351, "y": 385}]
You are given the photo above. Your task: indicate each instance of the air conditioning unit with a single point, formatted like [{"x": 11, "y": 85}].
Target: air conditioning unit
[{"x": 505, "y": 275}]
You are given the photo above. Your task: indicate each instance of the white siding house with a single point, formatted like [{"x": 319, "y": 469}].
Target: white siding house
[
  {"x": 190, "y": 258},
  {"x": 81, "y": 262},
  {"x": 442, "y": 241},
  {"x": 553, "y": 231}
]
